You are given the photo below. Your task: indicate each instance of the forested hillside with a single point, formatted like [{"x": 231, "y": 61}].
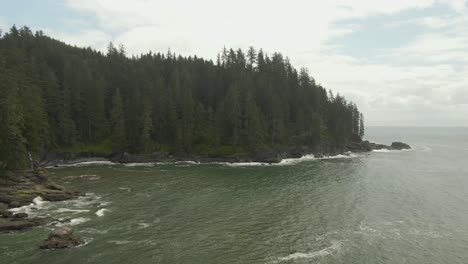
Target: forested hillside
[{"x": 55, "y": 97}]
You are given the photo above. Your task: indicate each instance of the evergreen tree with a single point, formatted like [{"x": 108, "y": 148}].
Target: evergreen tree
[
  {"x": 117, "y": 123},
  {"x": 55, "y": 97}
]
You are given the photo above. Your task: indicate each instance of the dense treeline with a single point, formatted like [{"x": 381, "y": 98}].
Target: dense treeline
[{"x": 55, "y": 97}]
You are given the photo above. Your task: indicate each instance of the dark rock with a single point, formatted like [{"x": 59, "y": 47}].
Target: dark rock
[
  {"x": 6, "y": 213},
  {"x": 400, "y": 145},
  {"x": 14, "y": 204},
  {"x": 54, "y": 196},
  {"x": 20, "y": 215},
  {"x": 355, "y": 138},
  {"x": 8, "y": 225},
  {"x": 3, "y": 207},
  {"x": 61, "y": 238}
]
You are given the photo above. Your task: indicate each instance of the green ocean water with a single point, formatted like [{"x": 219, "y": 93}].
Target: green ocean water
[{"x": 380, "y": 207}]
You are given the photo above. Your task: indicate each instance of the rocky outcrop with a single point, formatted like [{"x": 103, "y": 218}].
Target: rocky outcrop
[
  {"x": 12, "y": 223},
  {"x": 267, "y": 155},
  {"x": 20, "y": 188},
  {"x": 365, "y": 146},
  {"x": 400, "y": 145},
  {"x": 61, "y": 238}
]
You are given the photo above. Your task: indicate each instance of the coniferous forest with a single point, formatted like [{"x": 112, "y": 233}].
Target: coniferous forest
[{"x": 56, "y": 97}]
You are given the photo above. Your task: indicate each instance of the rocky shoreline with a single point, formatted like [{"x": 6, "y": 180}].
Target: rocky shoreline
[
  {"x": 19, "y": 189},
  {"x": 268, "y": 156}
]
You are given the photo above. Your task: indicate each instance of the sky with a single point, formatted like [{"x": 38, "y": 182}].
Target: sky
[{"x": 403, "y": 62}]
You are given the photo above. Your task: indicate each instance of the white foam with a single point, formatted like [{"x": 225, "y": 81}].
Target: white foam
[
  {"x": 143, "y": 225},
  {"x": 334, "y": 248},
  {"x": 75, "y": 221},
  {"x": 243, "y": 164},
  {"x": 86, "y": 163},
  {"x": 143, "y": 164},
  {"x": 290, "y": 161},
  {"x": 297, "y": 160},
  {"x": 101, "y": 212},
  {"x": 32, "y": 208},
  {"x": 120, "y": 242},
  {"x": 86, "y": 241},
  {"x": 381, "y": 150},
  {"x": 390, "y": 150},
  {"x": 128, "y": 189},
  {"x": 38, "y": 201},
  {"x": 187, "y": 162},
  {"x": 73, "y": 211}
]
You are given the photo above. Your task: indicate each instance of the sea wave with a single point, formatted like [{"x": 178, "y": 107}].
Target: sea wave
[
  {"x": 72, "y": 222},
  {"x": 87, "y": 163},
  {"x": 67, "y": 213},
  {"x": 390, "y": 150},
  {"x": 334, "y": 248},
  {"x": 289, "y": 161},
  {"x": 101, "y": 212},
  {"x": 142, "y": 164}
]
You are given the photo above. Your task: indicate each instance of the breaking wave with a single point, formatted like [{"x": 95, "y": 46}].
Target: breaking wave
[{"x": 331, "y": 250}]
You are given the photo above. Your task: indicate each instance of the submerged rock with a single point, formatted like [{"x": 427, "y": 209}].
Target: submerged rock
[{"x": 61, "y": 238}]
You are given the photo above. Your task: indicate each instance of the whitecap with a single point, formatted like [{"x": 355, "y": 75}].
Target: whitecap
[
  {"x": 143, "y": 164},
  {"x": 38, "y": 201},
  {"x": 243, "y": 164},
  {"x": 32, "y": 208},
  {"x": 74, "y": 221},
  {"x": 93, "y": 231},
  {"x": 87, "y": 163},
  {"x": 143, "y": 225},
  {"x": 128, "y": 189},
  {"x": 101, "y": 212},
  {"x": 334, "y": 248},
  {"x": 86, "y": 241},
  {"x": 120, "y": 242},
  {"x": 289, "y": 161},
  {"x": 73, "y": 211},
  {"x": 187, "y": 162}
]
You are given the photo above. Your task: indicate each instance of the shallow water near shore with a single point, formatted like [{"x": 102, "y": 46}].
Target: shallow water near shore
[{"x": 379, "y": 207}]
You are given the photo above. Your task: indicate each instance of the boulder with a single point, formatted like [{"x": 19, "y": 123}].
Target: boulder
[
  {"x": 10, "y": 224},
  {"x": 20, "y": 215},
  {"x": 3, "y": 206},
  {"x": 400, "y": 145},
  {"x": 6, "y": 213},
  {"x": 61, "y": 238}
]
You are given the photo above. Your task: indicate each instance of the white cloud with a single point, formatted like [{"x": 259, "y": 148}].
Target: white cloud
[
  {"x": 3, "y": 25},
  {"x": 85, "y": 38},
  {"x": 405, "y": 85}
]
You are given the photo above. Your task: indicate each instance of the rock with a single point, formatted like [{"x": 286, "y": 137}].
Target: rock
[
  {"x": 61, "y": 238},
  {"x": 9, "y": 224},
  {"x": 14, "y": 204},
  {"x": 6, "y": 213},
  {"x": 355, "y": 138},
  {"x": 20, "y": 215},
  {"x": 54, "y": 195},
  {"x": 400, "y": 145},
  {"x": 3, "y": 206}
]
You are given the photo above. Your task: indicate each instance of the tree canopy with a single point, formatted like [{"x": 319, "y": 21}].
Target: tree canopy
[{"x": 56, "y": 97}]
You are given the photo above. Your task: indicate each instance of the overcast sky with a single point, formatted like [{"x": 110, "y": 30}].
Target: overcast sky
[{"x": 404, "y": 62}]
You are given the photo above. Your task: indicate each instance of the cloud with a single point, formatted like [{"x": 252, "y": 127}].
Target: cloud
[
  {"x": 422, "y": 81},
  {"x": 84, "y": 38},
  {"x": 3, "y": 25}
]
